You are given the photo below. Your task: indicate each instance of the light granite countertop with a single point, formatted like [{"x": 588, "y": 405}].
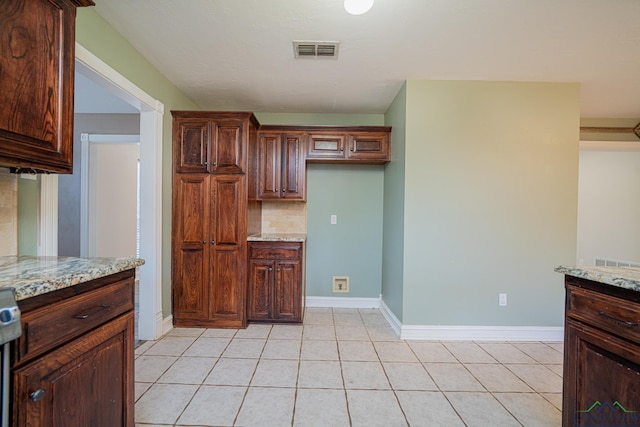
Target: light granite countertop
[
  {"x": 622, "y": 277},
  {"x": 31, "y": 276},
  {"x": 277, "y": 237}
]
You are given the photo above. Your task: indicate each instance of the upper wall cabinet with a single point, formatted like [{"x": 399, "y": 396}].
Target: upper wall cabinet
[
  {"x": 349, "y": 145},
  {"x": 210, "y": 142},
  {"x": 37, "y": 54},
  {"x": 281, "y": 167}
]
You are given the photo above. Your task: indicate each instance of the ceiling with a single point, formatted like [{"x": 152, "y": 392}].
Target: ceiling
[{"x": 238, "y": 54}]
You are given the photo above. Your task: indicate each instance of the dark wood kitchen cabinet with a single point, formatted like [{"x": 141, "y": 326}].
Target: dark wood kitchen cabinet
[
  {"x": 73, "y": 365},
  {"x": 349, "y": 145},
  {"x": 211, "y": 217},
  {"x": 37, "y": 41},
  {"x": 276, "y": 284},
  {"x": 209, "y": 246},
  {"x": 281, "y": 166},
  {"x": 211, "y": 142},
  {"x": 601, "y": 354}
]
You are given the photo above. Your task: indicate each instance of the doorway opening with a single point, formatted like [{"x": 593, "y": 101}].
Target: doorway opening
[{"x": 150, "y": 182}]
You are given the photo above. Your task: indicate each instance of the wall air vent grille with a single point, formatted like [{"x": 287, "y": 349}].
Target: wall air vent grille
[
  {"x": 604, "y": 262},
  {"x": 311, "y": 49}
]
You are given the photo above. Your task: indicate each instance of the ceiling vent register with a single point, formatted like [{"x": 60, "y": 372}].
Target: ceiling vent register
[{"x": 311, "y": 49}]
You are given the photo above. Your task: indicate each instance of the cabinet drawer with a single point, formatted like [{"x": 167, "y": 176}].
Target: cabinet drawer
[
  {"x": 48, "y": 327},
  {"x": 615, "y": 315},
  {"x": 274, "y": 251}
]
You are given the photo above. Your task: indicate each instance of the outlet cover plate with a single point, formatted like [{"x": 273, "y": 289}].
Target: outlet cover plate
[{"x": 340, "y": 284}]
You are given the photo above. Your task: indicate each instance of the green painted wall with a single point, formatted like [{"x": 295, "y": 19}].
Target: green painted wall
[
  {"x": 96, "y": 35},
  {"x": 491, "y": 173},
  {"x": 393, "y": 210},
  {"x": 352, "y": 247}
]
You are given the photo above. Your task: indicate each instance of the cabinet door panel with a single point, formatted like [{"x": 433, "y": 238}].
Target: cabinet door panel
[
  {"x": 190, "y": 284},
  {"x": 227, "y": 155},
  {"x": 293, "y": 169},
  {"x": 260, "y": 274},
  {"x": 326, "y": 146},
  {"x": 228, "y": 208},
  {"x": 190, "y": 246},
  {"x": 85, "y": 382},
  {"x": 369, "y": 146},
  {"x": 599, "y": 368},
  {"x": 36, "y": 88},
  {"x": 269, "y": 166},
  {"x": 226, "y": 285},
  {"x": 193, "y": 145},
  {"x": 287, "y": 291}
]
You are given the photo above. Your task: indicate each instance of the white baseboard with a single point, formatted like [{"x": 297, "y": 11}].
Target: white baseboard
[
  {"x": 167, "y": 325},
  {"x": 343, "y": 302},
  {"x": 482, "y": 333},
  {"x": 471, "y": 333},
  {"x": 394, "y": 322}
]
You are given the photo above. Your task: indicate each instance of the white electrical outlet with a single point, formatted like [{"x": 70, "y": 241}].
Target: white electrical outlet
[
  {"x": 340, "y": 284},
  {"x": 334, "y": 219},
  {"x": 502, "y": 300}
]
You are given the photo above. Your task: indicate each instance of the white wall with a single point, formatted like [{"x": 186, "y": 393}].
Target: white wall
[
  {"x": 609, "y": 206},
  {"x": 113, "y": 199}
]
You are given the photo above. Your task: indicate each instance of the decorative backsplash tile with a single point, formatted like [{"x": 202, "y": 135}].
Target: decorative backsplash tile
[
  {"x": 284, "y": 217},
  {"x": 8, "y": 213}
]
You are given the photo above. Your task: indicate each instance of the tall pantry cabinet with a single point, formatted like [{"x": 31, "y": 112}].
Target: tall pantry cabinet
[{"x": 211, "y": 216}]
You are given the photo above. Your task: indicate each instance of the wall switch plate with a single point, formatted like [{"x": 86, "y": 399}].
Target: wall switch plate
[
  {"x": 340, "y": 284},
  {"x": 502, "y": 300},
  {"x": 334, "y": 219}
]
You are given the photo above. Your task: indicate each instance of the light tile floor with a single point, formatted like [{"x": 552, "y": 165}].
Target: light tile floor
[{"x": 344, "y": 367}]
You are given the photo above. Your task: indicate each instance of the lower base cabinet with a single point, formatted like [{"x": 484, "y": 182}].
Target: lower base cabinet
[
  {"x": 276, "y": 285},
  {"x": 601, "y": 355},
  {"x": 73, "y": 366}
]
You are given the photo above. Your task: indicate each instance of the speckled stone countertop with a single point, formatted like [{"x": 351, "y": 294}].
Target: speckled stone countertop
[
  {"x": 622, "y": 277},
  {"x": 277, "y": 237},
  {"x": 32, "y": 276}
]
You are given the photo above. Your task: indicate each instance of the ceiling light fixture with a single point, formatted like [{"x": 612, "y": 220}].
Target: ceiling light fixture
[{"x": 357, "y": 7}]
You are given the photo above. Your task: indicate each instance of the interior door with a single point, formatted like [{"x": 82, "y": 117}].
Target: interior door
[{"x": 113, "y": 199}]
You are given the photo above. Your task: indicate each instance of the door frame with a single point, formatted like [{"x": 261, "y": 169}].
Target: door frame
[{"x": 151, "y": 116}]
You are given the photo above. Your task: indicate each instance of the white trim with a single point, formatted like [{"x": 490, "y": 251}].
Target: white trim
[
  {"x": 84, "y": 194},
  {"x": 394, "y": 322},
  {"x": 166, "y": 325},
  {"x": 48, "y": 218},
  {"x": 482, "y": 333},
  {"x": 610, "y": 145},
  {"x": 111, "y": 138},
  {"x": 344, "y": 302},
  {"x": 151, "y": 116},
  {"x": 113, "y": 81}
]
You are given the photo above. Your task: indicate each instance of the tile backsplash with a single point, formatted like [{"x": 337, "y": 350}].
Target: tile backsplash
[
  {"x": 8, "y": 213},
  {"x": 284, "y": 217}
]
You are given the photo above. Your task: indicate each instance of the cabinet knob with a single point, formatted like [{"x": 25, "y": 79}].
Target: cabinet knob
[
  {"x": 275, "y": 190},
  {"x": 284, "y": 190},
  {"x": 278, "y": 270},
  {"x": 213, "y": 242},
  {"x": 204, "y": 242},
  {"x": 270, "y": 269},
  {"x": 341, "y": 148},
  {"x": 352, "y": 149},
  {"x": 37, "y": 395}
]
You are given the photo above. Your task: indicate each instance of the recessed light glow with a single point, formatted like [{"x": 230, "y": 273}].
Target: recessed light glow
[{"x": 357, "y": 7}]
